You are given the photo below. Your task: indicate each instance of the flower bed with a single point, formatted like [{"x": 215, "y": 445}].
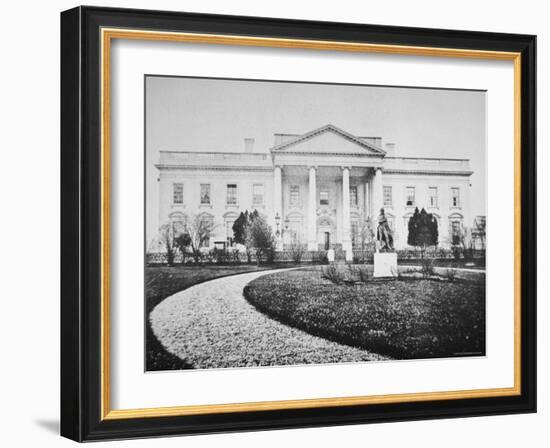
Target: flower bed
[{"x": 407, "y": 318}]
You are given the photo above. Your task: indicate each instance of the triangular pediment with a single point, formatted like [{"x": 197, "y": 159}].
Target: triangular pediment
[{"x": 328, "y": 140}]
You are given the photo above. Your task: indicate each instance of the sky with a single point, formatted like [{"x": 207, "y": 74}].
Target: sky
[{"x": 198, "y": 114}]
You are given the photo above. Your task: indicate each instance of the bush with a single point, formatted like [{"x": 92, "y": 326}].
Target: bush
[
  {"x": 332, "y": 274},
  {"x": 220, "y": 256},
  {"x": 258, "y": 236},
  {"x": 457, "y": 252},
  {"x": 427, "y": 267},
  {"x": 319, "y": 257},
  {"x": 297, "y": 251},
  {"x": 363, "y": 273},
  {"x": 450, "y": 274}
]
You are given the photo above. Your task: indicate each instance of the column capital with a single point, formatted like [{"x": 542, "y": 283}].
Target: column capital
[
  {"x": 345, "y": 167},
  {"x": 309, "y": 167}
]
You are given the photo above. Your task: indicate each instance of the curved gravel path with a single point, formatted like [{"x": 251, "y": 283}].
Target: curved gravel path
[{"x": 211, "y": 325}]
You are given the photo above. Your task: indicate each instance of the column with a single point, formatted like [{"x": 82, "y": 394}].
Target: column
[
  {"x": 366, "y": 205},
  {"x": 377, "y": 194},
  {"x": 312, "y": 210},
  {"x": 346, "y": 218},
  {"x": 277, "y": 203}
]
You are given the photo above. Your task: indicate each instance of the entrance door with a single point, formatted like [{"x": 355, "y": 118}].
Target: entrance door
[{"x": 327, "y": 240}]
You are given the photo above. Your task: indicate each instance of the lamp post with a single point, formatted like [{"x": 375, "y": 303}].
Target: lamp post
[
  {"x": 277, "y": 223},
  {"x": 278, "y": 238}
]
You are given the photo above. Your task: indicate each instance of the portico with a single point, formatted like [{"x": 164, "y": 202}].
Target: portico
[
  {"x": 341, "y": 176},
  {"x": 319, "y": 205}
]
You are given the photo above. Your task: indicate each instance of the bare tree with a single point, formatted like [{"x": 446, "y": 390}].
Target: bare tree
[
  {"x": 463, "y": 242},
  {"x": 480, "y": 229},
  {"x": 167, "y": 236},
  {"x": 296, "y": 250},
  {"x": 197, "y": 230},
  {"x": 365, "y": 233}
]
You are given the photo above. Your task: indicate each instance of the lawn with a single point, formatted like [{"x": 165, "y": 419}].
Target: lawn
[
  {"x": 162, "y": 282},
  {"x": 401, "y": 318},
  {"x": 477, "y": 264}
]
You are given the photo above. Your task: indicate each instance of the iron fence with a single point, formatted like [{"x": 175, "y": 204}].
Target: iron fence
[{"x": 218, "y": 256}]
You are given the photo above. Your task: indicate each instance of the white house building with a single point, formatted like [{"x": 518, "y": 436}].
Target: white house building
[{"x": 315, "y": 188}]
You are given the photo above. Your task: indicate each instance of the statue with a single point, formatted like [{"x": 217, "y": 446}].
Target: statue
[{"x": 384, "y": 237}]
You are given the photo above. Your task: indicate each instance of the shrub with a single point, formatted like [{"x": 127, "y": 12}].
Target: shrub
[
  {"x": 319, "y": 257},
  {"x": 220, "y": 256},
  {"x": 352, "y": 273},
  {"x": 297, "y": 251},
  {"x": 427, "y": 267},
  {"x": 258, "y": 236},
  {"x": 332, "y": 274},
  {"x": 457, "y": 252},
  {"x": 363, "y": 273},
  {"x": 236, "y": 257},
  {"x": 450, "y": 274},
  {"x": 422, "y": 230}
]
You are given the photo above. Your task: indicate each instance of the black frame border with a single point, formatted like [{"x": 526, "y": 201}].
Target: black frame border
[{"x": 81, "y": 223}]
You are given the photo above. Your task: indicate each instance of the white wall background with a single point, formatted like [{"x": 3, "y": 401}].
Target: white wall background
[{"x": 29, "y": 186}]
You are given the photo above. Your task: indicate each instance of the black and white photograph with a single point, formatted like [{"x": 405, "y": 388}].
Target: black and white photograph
[{"x": 293, "y": 223}]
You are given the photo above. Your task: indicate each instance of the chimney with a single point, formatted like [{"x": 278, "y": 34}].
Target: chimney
[
  {"x": 390, "y": 149},
  {"x": 248, "y": 145}
]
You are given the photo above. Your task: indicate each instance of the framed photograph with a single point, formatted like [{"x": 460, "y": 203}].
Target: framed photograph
[{"x": 273, "y": 223}]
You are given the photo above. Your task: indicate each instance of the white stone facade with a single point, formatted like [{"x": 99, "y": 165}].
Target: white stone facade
[{"x": 321, "y": 184}]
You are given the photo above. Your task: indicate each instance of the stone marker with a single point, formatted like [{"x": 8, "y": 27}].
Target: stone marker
[
  {"x": 330, "y": 255},
  {"x": 385, "y": 264}
]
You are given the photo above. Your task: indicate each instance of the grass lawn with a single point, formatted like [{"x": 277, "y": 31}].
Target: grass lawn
[
  {"x": 401, "y": 318},
  {"x": 477, "y": 264},
  {"x": 162, "y": 282}
]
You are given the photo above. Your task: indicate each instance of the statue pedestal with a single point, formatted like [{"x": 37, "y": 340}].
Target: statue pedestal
[
  {"x": 330, "y": 255},
  {"x": 385, "y": 264}
]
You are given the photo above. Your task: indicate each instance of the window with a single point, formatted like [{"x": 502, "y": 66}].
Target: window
[
  {"x": 177, "y": 193},
  {"x": 229, "y": 232},
  {"x": 455, "y": 197},
  {"x": 295, "y": 231},
  {"x": 323, "y": 197},
  {"x": 205, "y": 241},
  {"x": 353, "y": 196},
  {"x": 231, "y": 194},
  {"x": 409, "y": 197},
  {"x": 206, "y": 220},
  {"x": 355, "y": 240},
  {"x": 205, "y": 193},
  {"x": 432, "y": 197},
  {"x": 391, "y": 222},
  {"x": 294, "y": 195},
  {"x": 258, "y": 194},
  {"x": 179, "y": 222},
  {"x": 388, "y": 196},
  {"x": 455, "y": 231},
  {"x": 480, "y": 222}
]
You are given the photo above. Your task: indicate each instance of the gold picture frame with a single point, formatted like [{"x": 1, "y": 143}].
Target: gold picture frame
[{"x": 106, "y": 32}]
